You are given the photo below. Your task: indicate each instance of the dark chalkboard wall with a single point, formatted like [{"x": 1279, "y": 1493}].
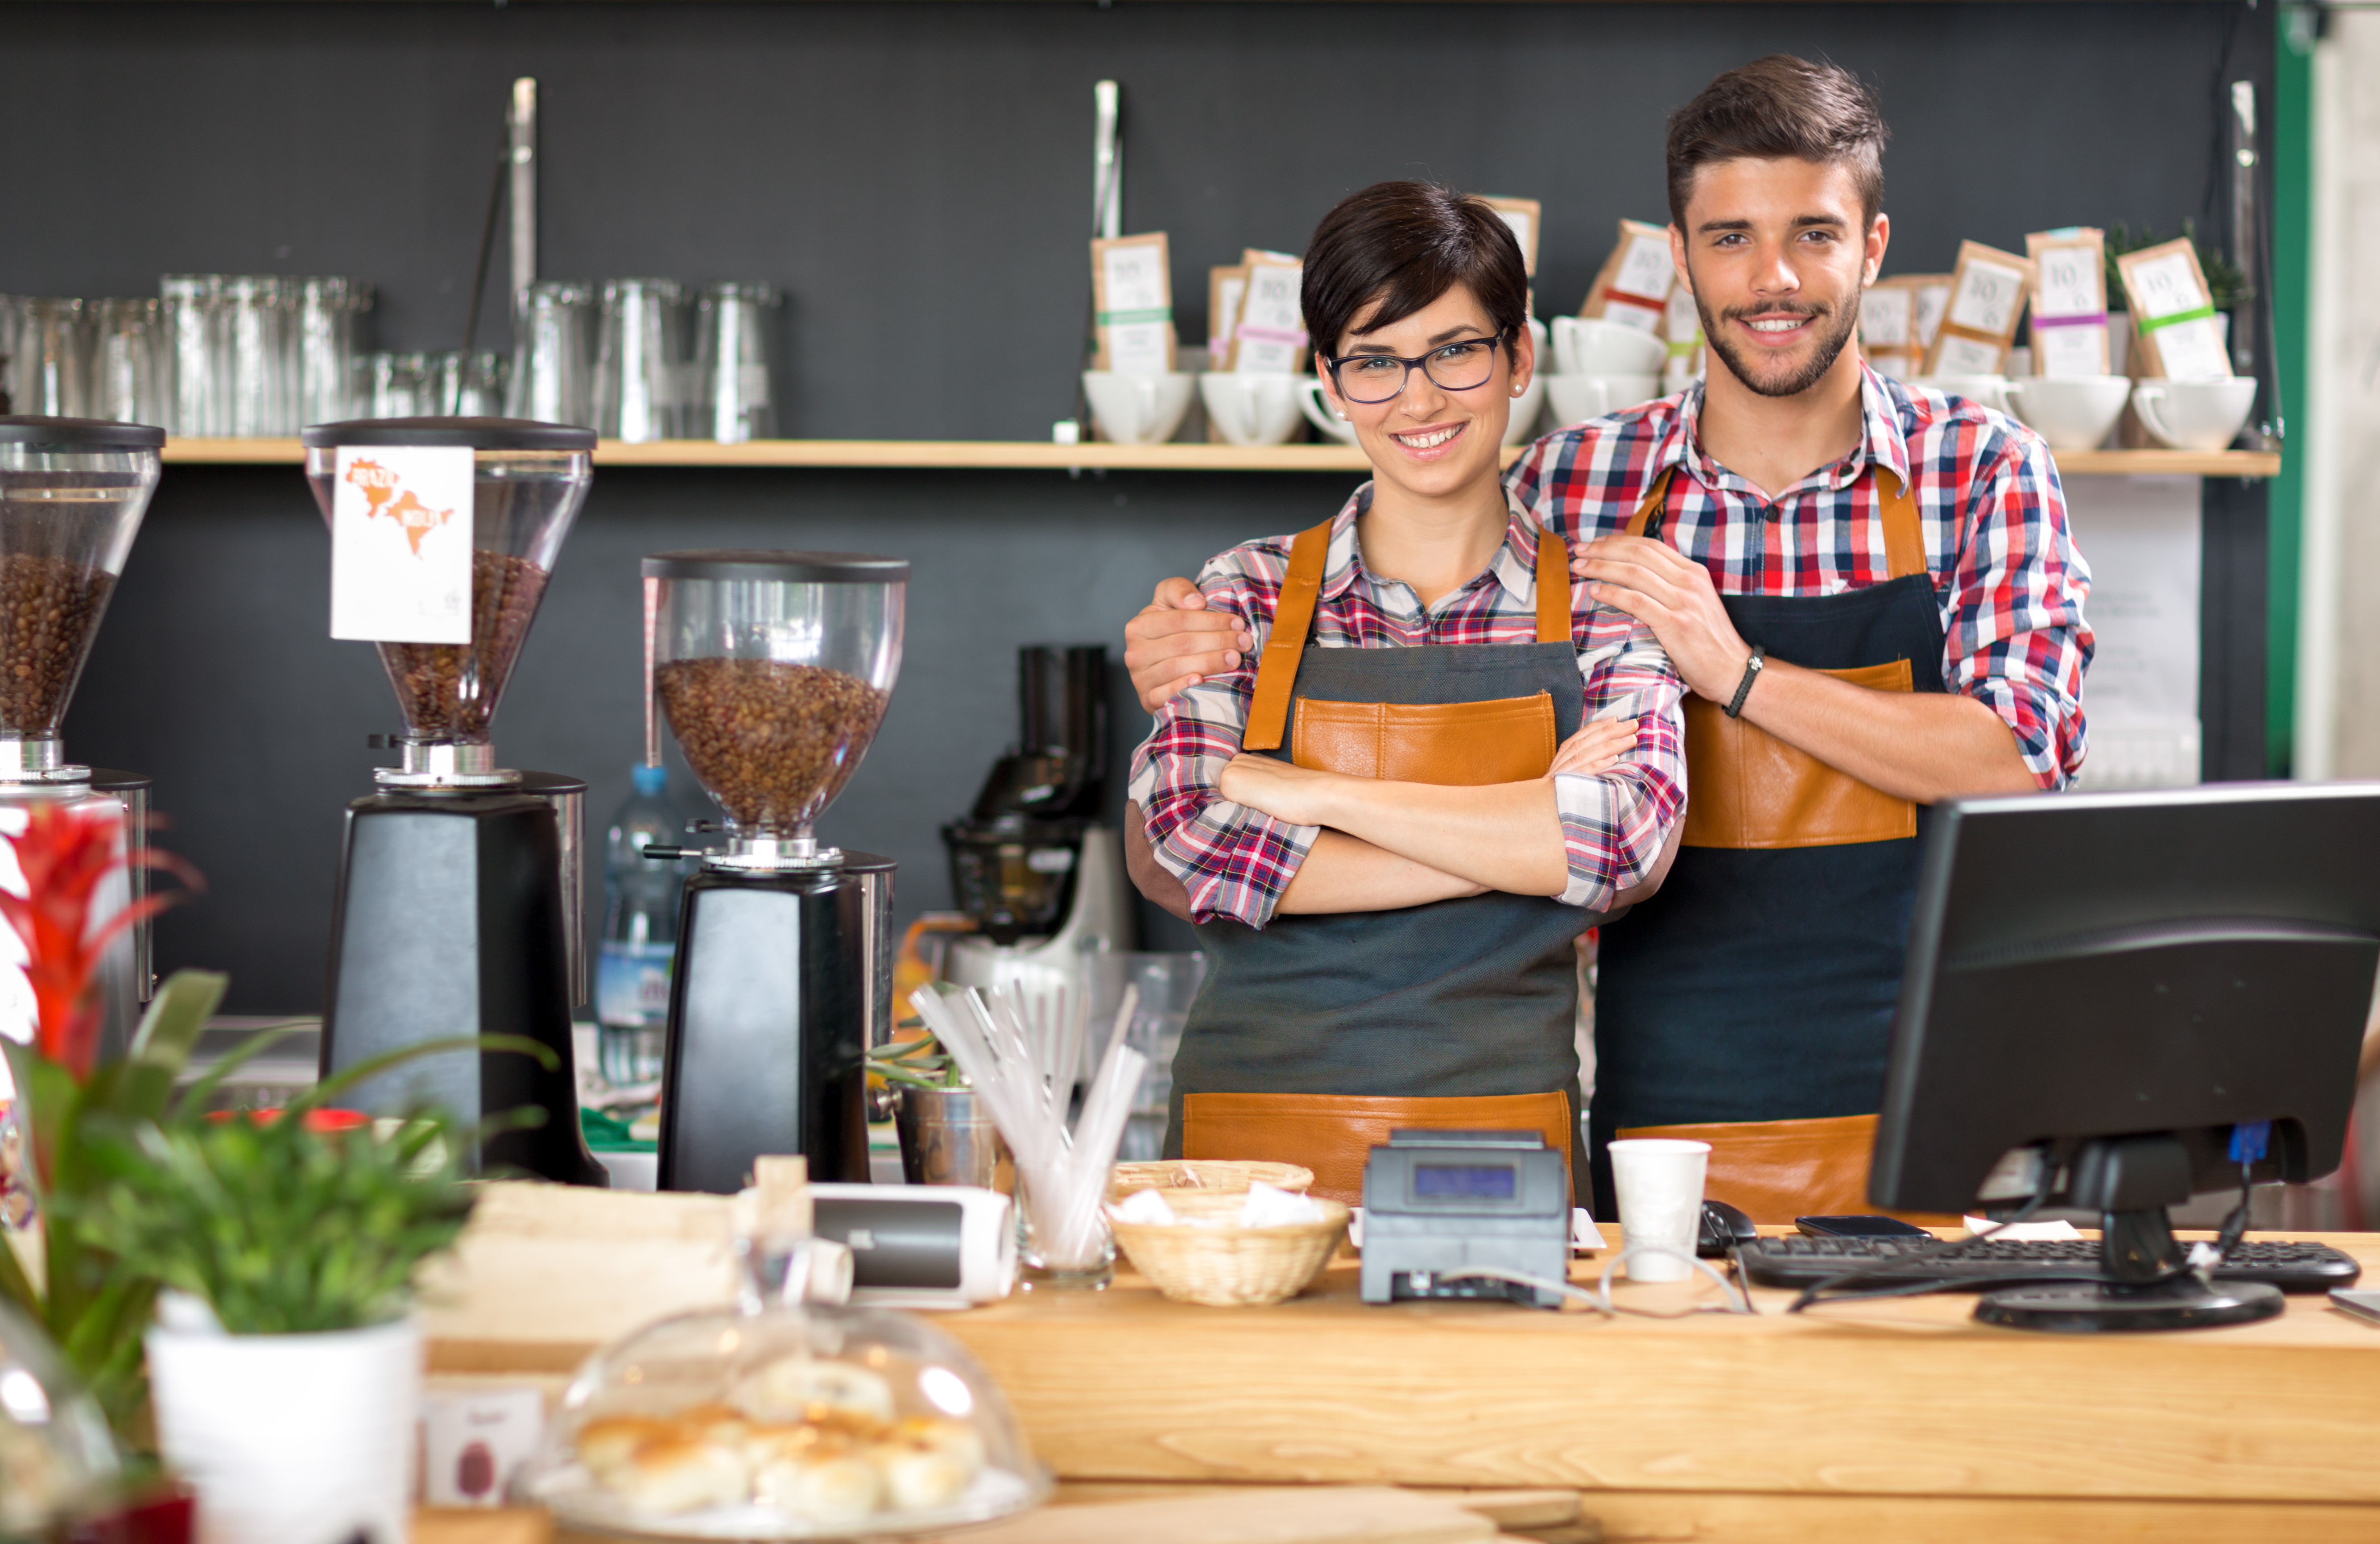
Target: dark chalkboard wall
[{"x": 916, "y": 177}]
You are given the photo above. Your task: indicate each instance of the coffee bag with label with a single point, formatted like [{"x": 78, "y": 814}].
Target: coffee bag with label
[
  {"x": 1270, "y": 336},
  {"x": 2069, "y": 301},
  {"x": 1632, "y": 287},
  {"x": 1987, "y": 295},
  {"x": 1132, "y": 305},
  {"x": 2173, "y": 312}
]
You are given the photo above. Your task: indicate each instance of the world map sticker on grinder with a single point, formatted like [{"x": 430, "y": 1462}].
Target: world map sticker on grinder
[{"x": 401, "y": 544}]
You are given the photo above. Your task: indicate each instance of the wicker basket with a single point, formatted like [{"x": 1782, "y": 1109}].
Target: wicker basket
[
  {"x": 1230, "y": 1267},
  {"x": 1222, "y": 1176}
]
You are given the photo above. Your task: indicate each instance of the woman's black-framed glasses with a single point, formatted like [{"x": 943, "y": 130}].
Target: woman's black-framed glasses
[{"x": 1454, "y": 366}]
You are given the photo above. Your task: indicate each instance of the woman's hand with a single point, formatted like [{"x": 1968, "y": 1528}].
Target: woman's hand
[
  {"x": 1598, "y": 744},
  {"x": 1280, "y": 790}
]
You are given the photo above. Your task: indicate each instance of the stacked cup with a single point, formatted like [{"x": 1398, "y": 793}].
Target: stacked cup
[{"x": 1602, "y": 366}]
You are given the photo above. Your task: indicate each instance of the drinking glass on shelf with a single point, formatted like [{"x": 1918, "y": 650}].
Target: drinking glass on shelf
[
  {"x": 399, "y": 385},
  {"x": 191, "y": 305},
  {"x": 127, "y": 382},
  {"x": 53, "y": 360},
  {"x": 256, "y": 333},
  {"x": 327, "y": 325},
  {"x": 467, "y": 386},
  {"x": 554, "y": 355},
  {"x": 733, "y": 346},
  {"x": 12, "y": 318},
  {"x": 640, "y": 359}
]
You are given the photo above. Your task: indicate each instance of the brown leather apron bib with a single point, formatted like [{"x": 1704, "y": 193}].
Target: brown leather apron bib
[
  {"x": 1313, "y": 1039},
  {"x": 1777, "y": 844}
]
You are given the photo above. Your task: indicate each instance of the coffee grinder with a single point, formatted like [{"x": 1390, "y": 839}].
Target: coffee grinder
[
  {"x": 1032, "y": 864},
  {"x": 773, "y": 670},
  {"x": 459, "y": 886},
  {"x": 72, "y": 493}
]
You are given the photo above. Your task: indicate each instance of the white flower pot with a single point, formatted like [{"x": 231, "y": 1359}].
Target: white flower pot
[{"x": 291, "y": 1439}]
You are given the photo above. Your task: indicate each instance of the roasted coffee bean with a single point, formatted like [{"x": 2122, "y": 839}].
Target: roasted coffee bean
[
  {"x": 49, "y": 608},
  {"x": 449, "y": 690},
  {"x": 772, "y": 742}
]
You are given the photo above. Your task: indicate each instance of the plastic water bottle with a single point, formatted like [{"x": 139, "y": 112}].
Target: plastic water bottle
[{"x": 632, "y": 973}]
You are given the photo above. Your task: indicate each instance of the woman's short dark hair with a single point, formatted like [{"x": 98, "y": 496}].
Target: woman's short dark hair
[
  {"x": 1775, "y": 109},
  {"x": 1404, "y": 244}
]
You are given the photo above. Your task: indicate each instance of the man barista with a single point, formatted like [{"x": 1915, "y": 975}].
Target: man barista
[{"x": 1872, "y": 595}]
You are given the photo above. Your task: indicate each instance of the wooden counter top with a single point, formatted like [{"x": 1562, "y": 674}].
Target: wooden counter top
[{"x": 1898, "y": 1410}]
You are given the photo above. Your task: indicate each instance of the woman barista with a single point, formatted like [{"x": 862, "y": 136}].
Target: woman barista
[{"x": 1389, "y": 824}]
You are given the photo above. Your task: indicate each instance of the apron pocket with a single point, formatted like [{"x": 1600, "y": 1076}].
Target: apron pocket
[{"x": 1464, "y": 745}]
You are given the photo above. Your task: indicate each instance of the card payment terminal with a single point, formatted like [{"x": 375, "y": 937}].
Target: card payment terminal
[{"x": 1438, "y": 1200}]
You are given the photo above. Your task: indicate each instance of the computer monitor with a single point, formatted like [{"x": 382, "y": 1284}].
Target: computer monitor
[{"x": 2107, "y": 998}]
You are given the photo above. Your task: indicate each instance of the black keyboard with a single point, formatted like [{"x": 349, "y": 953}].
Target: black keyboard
[{"x": 1801, "y": 1261}]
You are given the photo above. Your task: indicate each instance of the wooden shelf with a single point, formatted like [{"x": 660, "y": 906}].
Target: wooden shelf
[{"x": 1031, "y": 456}]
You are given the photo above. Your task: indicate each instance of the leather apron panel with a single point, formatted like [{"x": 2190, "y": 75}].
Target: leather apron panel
[
  {"x": 1759, "y": 984},
  {"x": 1459, "y": 999},
  {"x": 1334, "y": 1135}
]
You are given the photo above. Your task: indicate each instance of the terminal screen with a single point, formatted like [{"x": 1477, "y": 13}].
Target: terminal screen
[{"x": 1470, "y": 1182}]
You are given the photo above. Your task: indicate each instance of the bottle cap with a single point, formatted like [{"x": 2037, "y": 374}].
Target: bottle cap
[{"x": 649, "y": 781}]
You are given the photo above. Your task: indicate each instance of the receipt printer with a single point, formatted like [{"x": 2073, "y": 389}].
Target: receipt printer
[
  {"x": 1436, "y": 1201},
  {"x": 921, "y": 1245}
]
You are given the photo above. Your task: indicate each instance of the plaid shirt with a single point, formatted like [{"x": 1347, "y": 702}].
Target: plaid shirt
[
  {"x": 2009, "y": 580},
  {"x": 1235, "y": 862}
]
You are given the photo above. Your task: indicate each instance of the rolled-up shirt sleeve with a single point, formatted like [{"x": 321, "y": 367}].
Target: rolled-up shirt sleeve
[
  {"x": 2017, "y": 639},
  {"x": 1615, "y": 822},
  {"x": 1234, "y": 861}
]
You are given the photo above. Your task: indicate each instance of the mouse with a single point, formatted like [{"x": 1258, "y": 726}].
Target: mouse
[{"x": 1723, "y": 1228}]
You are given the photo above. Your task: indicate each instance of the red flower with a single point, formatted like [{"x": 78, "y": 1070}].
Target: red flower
[{"x": 65, "y": 853}]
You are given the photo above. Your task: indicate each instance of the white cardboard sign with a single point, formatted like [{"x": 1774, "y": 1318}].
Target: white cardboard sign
[{"x": 401, "y": 544}]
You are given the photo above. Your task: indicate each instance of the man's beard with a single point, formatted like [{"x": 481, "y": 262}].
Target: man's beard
[{"x": 1822, "y": 360}]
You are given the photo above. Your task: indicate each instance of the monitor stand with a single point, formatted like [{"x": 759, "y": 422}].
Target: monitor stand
[{"x": 2135, "y": 1249}]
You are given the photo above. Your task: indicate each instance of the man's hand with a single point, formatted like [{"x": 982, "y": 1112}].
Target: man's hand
[
  {"x": 1673, "y": 595},
  {"x": 1175, "y": 642}
]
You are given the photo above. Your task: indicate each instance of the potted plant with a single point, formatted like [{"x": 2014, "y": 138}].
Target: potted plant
[{"x": 285, "y": 1364}]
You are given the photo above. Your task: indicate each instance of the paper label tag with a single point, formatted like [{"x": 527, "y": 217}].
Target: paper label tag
[
  {"x": 1967, "y": 357},
  {"x": 1988, "y": 297},
  {"x": 1886, "y": 317},
  {"x": 401, "y": 544},
  {"x": 1647, "y": 270},
  {"x": 1932, "y": 300},
  {"x": 2069, "y": 350},
  {"x": 2070, "y": 283},
  {"x": 2163, "y": 285},
  {"x": 2193, "y": 351}
]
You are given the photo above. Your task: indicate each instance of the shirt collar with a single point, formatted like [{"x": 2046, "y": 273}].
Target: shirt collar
[
  {"x": 1883, "y": 441},
  {"x": 1514, "y": 564}
]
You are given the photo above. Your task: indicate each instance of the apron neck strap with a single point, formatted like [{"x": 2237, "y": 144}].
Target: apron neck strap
[
  {"x": 1895, "y": 506},
  {"x": 1292, "y": 614},
  {"x": 1553, "y": 589}
]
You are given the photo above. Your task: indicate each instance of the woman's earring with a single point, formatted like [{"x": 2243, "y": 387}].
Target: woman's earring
[{"x": 1343, "y": 418}]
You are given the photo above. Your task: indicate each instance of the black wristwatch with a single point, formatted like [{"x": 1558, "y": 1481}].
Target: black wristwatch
[{"x": 1743, "y": 687}]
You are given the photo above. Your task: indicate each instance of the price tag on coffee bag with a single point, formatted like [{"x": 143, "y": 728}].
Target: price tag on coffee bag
[
  {"x": 1632, "y": 287},
  {"x": 401, "y": 544}
]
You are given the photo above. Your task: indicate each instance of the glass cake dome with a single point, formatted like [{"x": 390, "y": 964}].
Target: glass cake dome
[{"x": 806, "y": 1422}]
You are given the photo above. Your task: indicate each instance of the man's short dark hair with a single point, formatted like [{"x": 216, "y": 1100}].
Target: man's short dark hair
[
  {"x": 1778, "y": 107},
  {"x": 1405, "y": 244}
]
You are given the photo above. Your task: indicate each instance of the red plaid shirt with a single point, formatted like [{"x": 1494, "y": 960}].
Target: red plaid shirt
[
  {"x": 2006, "y": 573},
  {"x": 1235, "y": 861}
]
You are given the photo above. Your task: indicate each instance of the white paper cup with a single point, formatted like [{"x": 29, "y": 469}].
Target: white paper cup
[
  {"x": 1137, "y": 409},
  {"x": 1660, "y": 1180}
]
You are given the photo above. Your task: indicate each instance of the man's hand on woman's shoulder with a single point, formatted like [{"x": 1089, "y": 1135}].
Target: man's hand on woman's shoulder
[{"x": 1175, "y": 642}]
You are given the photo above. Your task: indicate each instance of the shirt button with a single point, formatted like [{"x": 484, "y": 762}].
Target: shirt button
[{"x": 1769, "y": 515}]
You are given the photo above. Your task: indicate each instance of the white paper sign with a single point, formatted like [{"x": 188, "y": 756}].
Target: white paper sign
[
  {"x": 1932, "y": 300},
  {"x": 1887, "y": 318},
  {"x": 2070, "y": 283},
  {"x": 1988, "y": 297},
  {"x": 2141, "y": 698},
  {"x": 1647, "y": 270},
  {"x": 2067, "y": 351},
  {"x": 401, "y": 544},
  {"x": 1969, "y": 357}
]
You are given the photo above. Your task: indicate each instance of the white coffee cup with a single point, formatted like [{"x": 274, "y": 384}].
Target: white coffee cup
[
  {"x": 1660, "y": 1183},
  {"x": 1137, "y": 409},
  {"x": 1321, "y": 415},
  {"x": 1593, "y": 345},
  {"x": 1579, "y": 397},
  {"x": 2072, "y": 412},
  {"x": 1252, "y": 409},
  {"x": 1990, "y": 391},
  {"x": 2195, "y": 415}
]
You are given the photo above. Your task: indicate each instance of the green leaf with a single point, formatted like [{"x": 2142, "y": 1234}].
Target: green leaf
[
  {"x": 169, "y": 1032},
  {"x": 321, "y": 1094}
]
